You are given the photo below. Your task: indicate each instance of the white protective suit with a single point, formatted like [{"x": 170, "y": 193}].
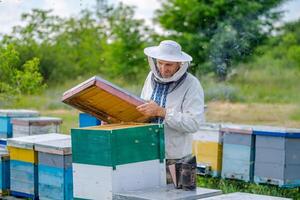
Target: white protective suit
[{"x": 184, "y": 110}]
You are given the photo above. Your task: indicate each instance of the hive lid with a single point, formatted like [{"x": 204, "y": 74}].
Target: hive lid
[
  {"x": 39, "y": 121},
  {"x": 28, "y": 142},
  {"x": 277, "y": 131},
  {"x": 105, "y": 101},
  {"x": 210, "y": 126},
  {"x": 61, "y": 147},
  {"x": 237, "y": 128},
  {"x": 18, "y": 113}
]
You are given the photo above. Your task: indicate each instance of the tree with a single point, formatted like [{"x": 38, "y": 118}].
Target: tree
[
  {"x": 218, "y": 32},
  {"x": 14, "y": 81}
]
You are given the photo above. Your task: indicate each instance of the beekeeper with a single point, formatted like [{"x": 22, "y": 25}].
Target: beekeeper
[{"x": 175, "y": 98}]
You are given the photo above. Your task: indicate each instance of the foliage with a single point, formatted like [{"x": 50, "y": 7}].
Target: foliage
[
  {"x": 229, "y": 186},
  {"x": 107, "y": 41},
  {"x": 218, "y": 32},
  {"x": 15, "y": 81}
]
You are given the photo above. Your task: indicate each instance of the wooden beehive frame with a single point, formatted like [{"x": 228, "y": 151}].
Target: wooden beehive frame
[{"x": 105, "y": 101}]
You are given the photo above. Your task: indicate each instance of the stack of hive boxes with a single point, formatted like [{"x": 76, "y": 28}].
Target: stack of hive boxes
[
  {"x": 35, "y": 125},
  {"x": 277, "y": 157},
  {"x": 6, "y": 131},
  {"x": 55, "y": 169},
  {"x": 6, "y": 117},
  {"x": 116, "y": 157},
  {"x": 23, "y": 163},
  {"x": 207, "y": 146},
  {"x": 238, "y": 152}
]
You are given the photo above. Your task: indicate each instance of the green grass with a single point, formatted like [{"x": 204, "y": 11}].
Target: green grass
[{"x": 229, "y": 186}]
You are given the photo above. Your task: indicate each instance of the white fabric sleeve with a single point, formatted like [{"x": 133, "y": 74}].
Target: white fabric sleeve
[{"x": 192, "y": 115}]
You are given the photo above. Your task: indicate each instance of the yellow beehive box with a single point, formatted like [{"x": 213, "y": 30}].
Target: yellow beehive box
[{"x": 207, "y": 147}]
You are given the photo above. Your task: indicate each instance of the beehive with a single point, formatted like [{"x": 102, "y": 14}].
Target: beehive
[
  {"x": 23, "y": 163},
  {"x": 277, "y": 158},
  {"x": 115, "y": 158},
  {"x": 55, "y": 169},
  {"x": 86, "y": 120},
  {"x": 238, "y": 152},
  {"x": 6, "y": 117},
  {"x": 4, "y": 172},
  {"x": 207, "y": 146},
  {"x": 35, "y": 126}
]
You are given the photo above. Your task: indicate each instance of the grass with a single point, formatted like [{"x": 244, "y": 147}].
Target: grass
[{"x": 229, "y": 186}]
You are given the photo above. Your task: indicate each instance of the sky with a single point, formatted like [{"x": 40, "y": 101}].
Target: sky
[{"x": 11, "y": 10}]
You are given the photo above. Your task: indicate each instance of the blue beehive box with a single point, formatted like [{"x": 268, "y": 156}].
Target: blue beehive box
[
  {"x": 86, "y": 120},
  {"x": 23, "y": 163},
  {"x": 238, "y": 152},
  {"x": 3, "y": 142},
  {"x": 4, "y": 172},
  {"x": 277, "y": 159},
  {"x": 6, "y": 130},
  {"x": 55, "y": 169}
]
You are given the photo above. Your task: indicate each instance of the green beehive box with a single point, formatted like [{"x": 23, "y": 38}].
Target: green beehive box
[{"x": 117, "y": 144}]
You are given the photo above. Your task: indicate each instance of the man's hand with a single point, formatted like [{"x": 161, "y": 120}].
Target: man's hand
[{"x": 151, "y": 109}]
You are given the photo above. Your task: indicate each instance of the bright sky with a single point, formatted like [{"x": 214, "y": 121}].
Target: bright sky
[{"x": 11, "y": 10}]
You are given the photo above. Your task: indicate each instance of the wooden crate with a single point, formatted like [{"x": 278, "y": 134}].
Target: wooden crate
[
  {"x": 284, "y": 168},
  {"x": 115, "y": 158},
  {"x": 23, "y": 163},
  {"x": 207, "y": 146},
  {"x": 86, "y": 120},
  {"x": 55, "y": 169},
  {"x": 105, "y": 101},
  {"x": 4, "y": 172},
  {"x": 35, "y": 126},
  {"x": 238, "y": 152},
  {"x": 6, "y": 117}
]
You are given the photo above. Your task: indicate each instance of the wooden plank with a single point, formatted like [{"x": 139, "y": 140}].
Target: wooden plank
[
  {"x": 54, "y": 160},
  {"x": 23, "y": 177},
  {"x": 245, "y": 196},
  {"x": 26, "y": 155},
  {"x": 166, "y": 193}
]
